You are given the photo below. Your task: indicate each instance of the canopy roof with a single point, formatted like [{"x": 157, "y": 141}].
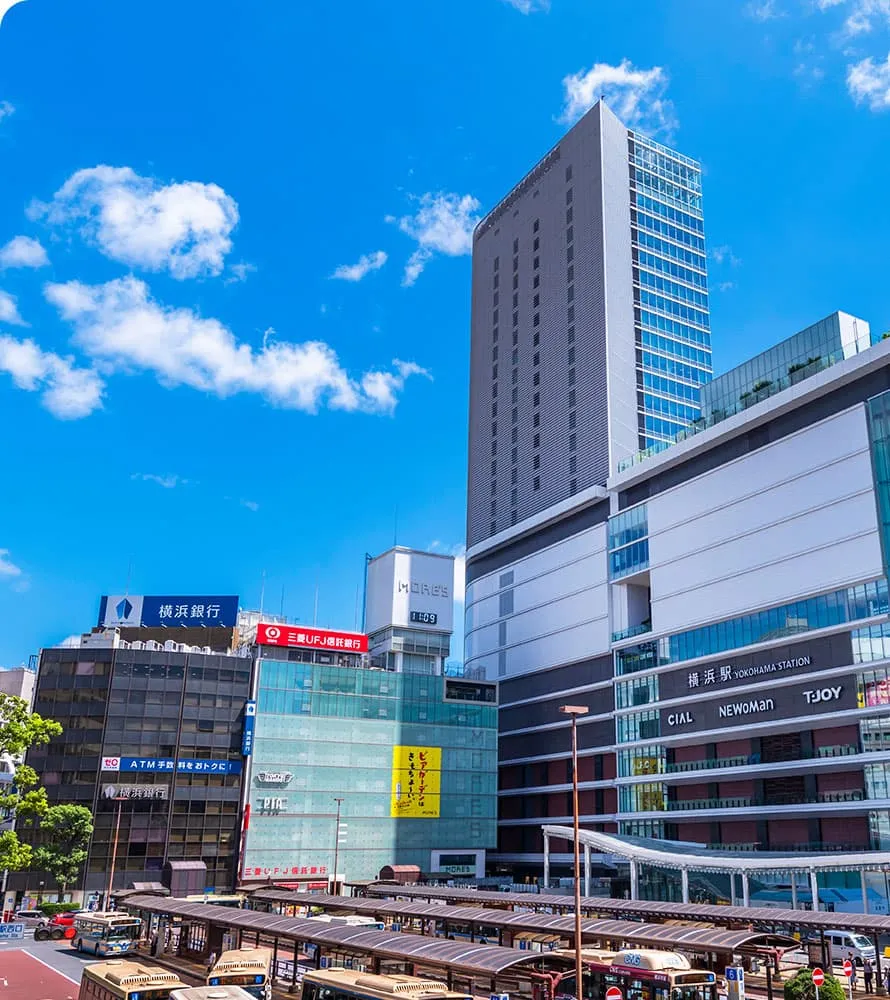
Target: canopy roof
[
  {"x": 459, "y": 956},
  {"x": 632, "y": 932}
]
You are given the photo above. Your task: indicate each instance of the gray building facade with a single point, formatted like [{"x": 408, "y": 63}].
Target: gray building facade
[{"x": 589, "y": 321}]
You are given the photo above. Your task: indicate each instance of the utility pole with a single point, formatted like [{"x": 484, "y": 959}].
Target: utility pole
[
  {"x": 117, "y": 829},
  {"x": 339, "y": 802},
  {"x": 574, "y": 711}
]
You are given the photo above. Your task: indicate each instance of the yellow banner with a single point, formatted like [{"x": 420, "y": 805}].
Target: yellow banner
[{"x": 416, "y": 781}]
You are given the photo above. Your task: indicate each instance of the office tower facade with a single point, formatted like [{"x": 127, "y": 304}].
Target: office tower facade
[{"x": 590, "y": 333}]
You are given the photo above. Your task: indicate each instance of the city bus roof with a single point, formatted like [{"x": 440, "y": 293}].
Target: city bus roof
[
  {"x": 241, "y": 959},
  {"x": 391, "y": 985},
  {"x": 125, "y": 974}
]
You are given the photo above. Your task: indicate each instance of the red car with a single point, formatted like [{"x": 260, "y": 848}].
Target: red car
[{"x": 60, "y": 926}]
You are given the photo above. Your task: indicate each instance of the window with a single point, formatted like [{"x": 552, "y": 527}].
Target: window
[
  {"x": 494, "y": 447},
  {"x": 496, "y": 298},
  {"x": 570, "y": 273},
  {"x": 536, "y": 226},
  {"x": 572, "y": 420},
  {"x": 515, "y": 319},
  {"x": 571, "y": 397},
  {"x": 536, "y": 378},
  {"x": 494, "y": 334},
  {"x": 570, "y": 234},
  {"x": 494, "y": 354},
  {"x": 497, "y": 263},
  {"x": 571, "y": 355},
  {"x": 515, "y": 358},
  {"x": 536, "y": 399},
  {"x": 513, "y": 475},
  {"x": 494, "y": 487},
  {"x": 569, "y": 196},
  {"x": 569, "y": 215},
  {"x": 537, "y": 420},
  {"x": 571, "y": 376},
  {"x": 494, "y": 507},
  {"x": 573, "y": 441},
  {"x": 515, "y": 265},
  {"x": 571, "y": 335},
  {"x": 638, "y": 726},
  {"x": 536, "y": 462},
  {"x": 494, "y": 468},
  {"x": 513, "y": 497},
  {"x": 573, "y": 464},
  {"x": 537, "y": 319},
  {"x": 570, "y": 253},
  {"x": 496, "y": 281},
  {"x": 536, "y": 483},
  {"x": 570, "y": 293},
  {"x": 493, "y": 528},
  {"x": 494, "y": 428},
  {"x": 515, "y": 337},
  {"x": 514, "y": 378},
  {"x": 537, "y": 244},
  {"x": 570, "y": 315},
  {"x": 573, "y": 486},
  {"x": 516, "y": 246},
  {"x": 537, "y": 263},
  {"x": 536, "y": 441},
  {"x": 536, "y": 360},
  {"x": 514, "y": 435},
  {"x": 536, "y": 339},
  {"x": 513, "y": 456},
  {"x": 494, "y": 371},
  {"x": 515, "y": 281},
  {"x": 515, "y": 300},
  {"x": 568, "y": 172},
  {"x": 537, "y": 281},
  {"x": 536, "y": 301},
  {"x": 494, "y": 409}
]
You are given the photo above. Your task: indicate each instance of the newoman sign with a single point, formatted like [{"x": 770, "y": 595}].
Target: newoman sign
[{"x": 809, "y": 698}]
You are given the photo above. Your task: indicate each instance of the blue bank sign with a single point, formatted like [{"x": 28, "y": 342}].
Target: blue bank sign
[
  {"x": 155, "y": 764},
  {"x": 145, "y": 611},
  {"x": 249, "y": 725}
]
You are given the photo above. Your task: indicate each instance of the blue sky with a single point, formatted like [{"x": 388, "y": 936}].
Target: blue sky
[{"x": 234, "y": 271}]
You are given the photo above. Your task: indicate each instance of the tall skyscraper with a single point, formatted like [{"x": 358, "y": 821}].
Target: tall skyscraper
[{"x": 590, "y": 328}]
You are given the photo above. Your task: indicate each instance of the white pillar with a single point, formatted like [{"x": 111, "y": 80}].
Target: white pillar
[
  {"x": 746, "y": 899},
  {"x": 864, "y": 891},
  {"x": 684, "y": 877},
  {"x": 546, "y": 861},
  {"x": 814, "y": 889},
  {"x": 732, "y": 899},
  {"x": 634, "y": 880},
  {"x": 587, "y": 869},
  {"x": 793, "y": 890}
]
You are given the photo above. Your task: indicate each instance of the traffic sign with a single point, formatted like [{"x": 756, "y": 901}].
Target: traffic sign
[
  {"x": 12, "y": 932},
  {"x": 613, "y": 993},
  {"x": 818, "y": 977},
  {"x": 848, "y": 968}
]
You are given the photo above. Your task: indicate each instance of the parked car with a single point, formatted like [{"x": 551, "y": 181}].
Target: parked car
[
  {"x": 64, "y": 919},
  {"x": 30, "y": 918}
]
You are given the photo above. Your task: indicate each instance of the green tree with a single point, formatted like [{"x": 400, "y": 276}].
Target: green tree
[
  {"x": 66, "y": 833},
  {"x": 800, "y": 987},
  {"x": 21, "y": 729}
]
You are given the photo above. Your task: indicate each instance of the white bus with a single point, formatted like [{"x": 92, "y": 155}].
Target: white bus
[
  {"x": 118, "y": 980},
  {"x": 105, "y": 933},
  {"x": 249, "y": 968}
]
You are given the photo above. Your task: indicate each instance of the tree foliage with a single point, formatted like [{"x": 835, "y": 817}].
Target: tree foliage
[
  {"x": 800, "y": 987},
  {"x": 21, "y": 729},
  {"x": 66, "y": 833}
]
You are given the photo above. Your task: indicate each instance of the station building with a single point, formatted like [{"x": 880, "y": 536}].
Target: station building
[
  {"x": 721, "y": 606},
  {"x": 375, "y": 733}
]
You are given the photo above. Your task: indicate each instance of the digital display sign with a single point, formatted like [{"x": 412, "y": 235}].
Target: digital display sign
[{"x": 424, "y": 617}]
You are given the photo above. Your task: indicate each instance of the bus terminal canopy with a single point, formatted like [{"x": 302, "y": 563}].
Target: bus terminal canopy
[
  {"x": 756, "y": 916},
  {"x": 698, "y": 939},
  {"x": 459, "y": 956}
]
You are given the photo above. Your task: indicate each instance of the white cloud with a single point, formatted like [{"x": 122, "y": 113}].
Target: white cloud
[
  {"x": 7, "y": 567},
  {"x": 443, "y": 223},
  {"x": 637, "y": 96},
  {"x": 725, "y": 286},
  {"x": 239, "y": 272},
  {"x": 167, "y": 482},
  {"x": 724, "y": 255},
  {"x": 22, "y": 251},
  {"x": 529, "y": 6},
  {"x": 6, "y": 109},
  {"x": 366, "y": 263},
  {"x": 122, "y": 328},
  {"x": 6, "y": 6},
  {"x": 869, "y": 83},
  {"x": 764, "y": 10},
  {"x": 182, "y": 228},
  {"x": 68, "y": 392},
  {"x": 863, "y": 16},
  {"x": 9, "y": 310},
  {"x": 250, "y": 505}
]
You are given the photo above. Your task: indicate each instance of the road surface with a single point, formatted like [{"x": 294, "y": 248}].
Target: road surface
[{"x": 23, "y": 976}]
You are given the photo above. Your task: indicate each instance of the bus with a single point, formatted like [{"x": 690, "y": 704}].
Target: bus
[
  {"x": 347, "y": 984},
  {"x": 640, "y": 974},
  {"x": 249, "y": 968},
  {"x": 120, "y": 980},
  {"x": 210, "y": 993},
  {"x": 105, "y": 933}
]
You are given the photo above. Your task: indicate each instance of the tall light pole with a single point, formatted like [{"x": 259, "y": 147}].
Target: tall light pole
[
  {"x": 339, "y": 802},
  {"x": 574, "y": 711},
  {"x": 117, "y": 829}
]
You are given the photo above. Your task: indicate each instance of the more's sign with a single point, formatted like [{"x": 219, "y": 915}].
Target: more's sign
[{"x": 301, "y": 636}]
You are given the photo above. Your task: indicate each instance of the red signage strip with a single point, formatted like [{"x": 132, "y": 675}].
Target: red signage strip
[{"x": 311, "y": 638}]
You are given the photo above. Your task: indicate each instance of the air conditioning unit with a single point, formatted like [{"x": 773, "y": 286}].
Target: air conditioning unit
[
  {"x": 153, "y": 644},
  {"x": 137, "y": 644},
  {"x": 205, "y": 649},
  {"x": 171, "y": 646}
]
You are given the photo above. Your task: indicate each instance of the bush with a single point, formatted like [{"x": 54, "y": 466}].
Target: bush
[
  {"x": 801, "y": 987},
  {"x": 51, "y": 909}
]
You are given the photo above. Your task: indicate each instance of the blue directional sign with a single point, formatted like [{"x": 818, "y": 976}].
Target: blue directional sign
[
  {"x": 12, "y": 932},
  {"x": 144, "y": 611}
]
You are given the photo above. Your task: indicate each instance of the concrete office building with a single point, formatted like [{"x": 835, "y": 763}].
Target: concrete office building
[
  {"x": 157, "y": 729},
  {"x": 18, "y": 681},
  {"x": 592, "y": 271},
  {"x": 722, "y": 608}
]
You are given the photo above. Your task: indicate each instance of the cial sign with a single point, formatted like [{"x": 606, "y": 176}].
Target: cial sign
[
  {"x": 167, "y": 764},
  {"x": 274, "y": 777},
  {"x": 249, "y": 727},
  {"x": 136, "y": 791},
  {"x": 311, "y": 638},
  {"x": 144, "y": 611}
]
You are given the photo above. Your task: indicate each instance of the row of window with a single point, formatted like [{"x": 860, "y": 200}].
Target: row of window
[
  {"x": 671, "y": 387},
  {"x": 675, "y": 348},
  {"x": 682, "y": 293},
  {"x": 649, "y": 241},
  {"x": 643, "y": 221},
  {"x": 664, "y": 265},
  {"x": 661, "y": 429},
  {"x": 665, "y": 190},
  {"x": 836, "y": 608},
  {"x": 650, "y": 155},
  {"x": 676, "y": 369},
  {"x": 681, "y": 218},
  {"x": 664, "y": 305},
  {"x": 669, "y": 408},
  {"x": 674, "y": 328}
]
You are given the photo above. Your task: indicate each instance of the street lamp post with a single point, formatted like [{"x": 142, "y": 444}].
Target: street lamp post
[
  {"x": 574, "y": 711},
  {"x": 339, "y": 802},
  {"x": 117, "y": 829}
]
